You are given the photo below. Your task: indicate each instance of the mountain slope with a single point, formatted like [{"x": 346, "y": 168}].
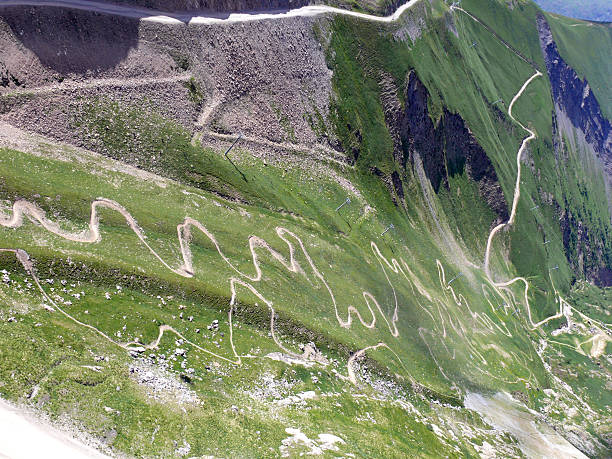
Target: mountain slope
[{"x": 224, "y": 304}]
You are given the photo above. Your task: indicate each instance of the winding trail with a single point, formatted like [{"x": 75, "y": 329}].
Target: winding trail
[
  {"x": 565, "y": 309},
  {"x": 92, "y": 234},
  {"x": 517, "y": 186},
  {"x": 22, "y": 209},
  {"x": 202, "y": 17},
  {"x": 517, "y": 195}
]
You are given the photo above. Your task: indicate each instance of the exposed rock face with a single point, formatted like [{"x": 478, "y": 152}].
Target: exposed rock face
[
  {"x": 418, "y": 132},
  {"x": 385, "y": 8},
  {"x": 577, "y": 114},
  {"x": 583, "y": 249},
  {"x": 446, "y": 148},
  {"x": 462, "y": 150},
  {"x": 213, "y": 5},
  {"x": 575, "y": 98}
]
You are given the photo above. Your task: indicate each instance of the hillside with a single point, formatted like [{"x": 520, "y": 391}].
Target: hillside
[
  {"x": 377, "y": 7},
  {"x": 321, "y": 233}
]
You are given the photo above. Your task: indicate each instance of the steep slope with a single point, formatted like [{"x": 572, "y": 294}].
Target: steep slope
[
  {"x": 580, "y": 128},
  {"x": 227, "y": 302},
  {"x": 371, "y": 6}
]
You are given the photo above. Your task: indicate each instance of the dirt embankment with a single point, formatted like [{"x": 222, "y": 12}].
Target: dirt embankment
[
  {"x": 213, "y": 5},
  {"x": 382, "y": 8},
  {"x": 264, "y": 78}
]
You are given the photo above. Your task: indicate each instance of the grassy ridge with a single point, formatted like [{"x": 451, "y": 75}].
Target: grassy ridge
[
  {"x": 136, "y": 308},
  {"x": 585, "y": 46}
]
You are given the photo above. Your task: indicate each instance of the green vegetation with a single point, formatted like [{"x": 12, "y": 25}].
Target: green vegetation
[
  {"x": 195, "y": 91},
  {"x": 585, "y": 46},
  {"x": 419, "y": 289},
  {"x": 136, "y": 307}
]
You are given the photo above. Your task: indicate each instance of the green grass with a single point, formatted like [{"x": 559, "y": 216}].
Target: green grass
[
  {"x": 446, "y": 345},
  {"x": 585, "y": 46},
  {"x": 237, "y": 416}
]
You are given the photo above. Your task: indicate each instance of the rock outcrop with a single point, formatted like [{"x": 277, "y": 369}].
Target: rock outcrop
[
  {"x": 446, "y": 147},
  {"x": 574, "y": 97},
  {"x": 577, "y": 115}
]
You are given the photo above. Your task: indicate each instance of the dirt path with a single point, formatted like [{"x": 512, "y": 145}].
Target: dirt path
[
  {"x": 517, "y": 186},
  {"x": 600, "y": 339},
  {"x": 23, "y": 209},
  {"x": 186, "y": 269},
  {"x": 565, "y": 309},
  {"x": 318, "y": 153},
  {"x": 203, "y": 17},
  {"x": 96, "y": 83}
]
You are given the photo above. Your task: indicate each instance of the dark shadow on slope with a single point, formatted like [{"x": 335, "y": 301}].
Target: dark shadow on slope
[
  {"x": 446, "y": 148},
  {"x": 72, "y": 41},
  {"x": 237, "y": 169},
  {"x": 212, "y": 5}
]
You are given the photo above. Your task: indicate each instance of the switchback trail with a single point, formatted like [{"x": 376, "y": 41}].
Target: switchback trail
[
  {"x": 97, "y": 83},
  {"x": 565, "y": 309},
  {"x": 22, "y": 209}
]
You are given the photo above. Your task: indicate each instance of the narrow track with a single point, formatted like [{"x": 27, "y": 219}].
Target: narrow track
[{"x": 200, "y": 17}]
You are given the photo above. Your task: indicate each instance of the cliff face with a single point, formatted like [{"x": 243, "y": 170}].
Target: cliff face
[
  {"x": 384, "y": 8},
  {"x": 584, "y": 248},
  {"x": 574, "y": 97},
  {"x": 212, "y": 5},
  {"x": 578, "y": 116},
  {"x": 446, "y": 148}
]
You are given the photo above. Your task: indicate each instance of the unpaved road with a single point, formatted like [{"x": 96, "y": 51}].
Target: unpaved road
[
  {"x": 202, "y": 17},
  {"x": 517, "y": 187},
  {"x": 22, "y": 436},
  {"x": 98, "y": 83}
]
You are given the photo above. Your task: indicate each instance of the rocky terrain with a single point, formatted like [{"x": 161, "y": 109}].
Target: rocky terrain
[
  {"x": 578, "y": 114},
  {"x": 380, "y": 7},
  {"x": 204, "y": 78}
]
